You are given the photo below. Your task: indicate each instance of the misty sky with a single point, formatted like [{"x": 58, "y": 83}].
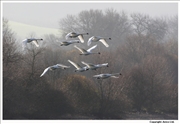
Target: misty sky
[{"x": 49, "y": 14}]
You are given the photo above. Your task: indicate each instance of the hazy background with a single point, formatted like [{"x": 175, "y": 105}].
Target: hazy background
[
  {"x": 47, "y": 14},
  {"x": 144, "y": 48}
]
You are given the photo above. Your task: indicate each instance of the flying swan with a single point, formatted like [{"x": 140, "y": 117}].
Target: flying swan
[
  {"x": 33, "y": 40},
  {"x": 66, "y": 43},
  {"x": 86, "y": 52},
  {"x": 104, "y": 76},
  {"x": 74, "y": 35},
  {"x": 93, "y": 66},
  {"x": 98, "y": 38},
  {"x": 54, "y": 67}
]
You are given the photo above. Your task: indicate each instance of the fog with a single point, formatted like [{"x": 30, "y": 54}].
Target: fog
[
  {"x": 143, "y": 48},
  {"x": 47, "y": 14}
]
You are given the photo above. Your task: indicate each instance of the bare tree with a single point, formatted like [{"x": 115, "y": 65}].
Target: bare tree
[
  {"x": 10, "y": 52},
  {"x": 140, "y": 23},
  {"x": 147, "y": 26},
  {"x": 173, "y": 28},
  {"x": 95, "y": 22}
]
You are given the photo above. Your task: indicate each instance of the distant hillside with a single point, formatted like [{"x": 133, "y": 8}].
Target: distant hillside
[{"x": 24, "y": 31}]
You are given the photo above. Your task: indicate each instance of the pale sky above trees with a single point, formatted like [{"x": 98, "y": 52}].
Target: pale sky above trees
[{"x": 47, "y": 14}]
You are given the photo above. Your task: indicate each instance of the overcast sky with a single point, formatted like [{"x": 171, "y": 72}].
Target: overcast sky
[{"x": 48, "y": 14}]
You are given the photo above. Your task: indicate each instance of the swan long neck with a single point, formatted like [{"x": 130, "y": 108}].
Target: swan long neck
[
  {"x": 102, "y": 65},
  {"x": 94, "y": 53},
  {"x": 39, "y": 39},
  {"x": 84, "y": 33},
  {"x": 115, "y": 74}
]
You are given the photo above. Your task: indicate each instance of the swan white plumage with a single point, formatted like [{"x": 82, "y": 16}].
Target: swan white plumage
[
  {"x": 86, "y": 52},
  {"x": 33, "y": 40},
  {"x": 74, "y": 35},
  {"x": 54, "y": 67},
  {"x": 78, "y": 67},
  {"x": 98, "y": 38},
  {"x": 107, "y": 75},
  {"x": 94, "y": 66},
  {"x": 66, "y": 43}
]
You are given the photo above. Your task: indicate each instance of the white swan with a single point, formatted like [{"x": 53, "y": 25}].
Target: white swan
[
  {"x": 66, "y": 43},
  {"x": 103, "y": 76},
  {"x": 93, "y": 66},
  {"x": 97, "y": 38},
  {"x": 33, "y": 40},
  {"x": 54, "y": 67},
  {"x": 78, "y": 67},
  {"x": 87, "y": 52},
  {"x": 74, "y": 35}
]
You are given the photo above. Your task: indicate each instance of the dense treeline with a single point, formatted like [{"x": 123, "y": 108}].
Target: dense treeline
[{"x": 143, "y": 49}]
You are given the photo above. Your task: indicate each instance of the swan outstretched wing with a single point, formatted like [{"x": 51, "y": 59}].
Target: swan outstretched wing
[
  {"x": 81, "y": 38},
  {"x": 87, "y": 64},
  {"x": 114, "y": 77},
  {"x": 89, "y": 41},
  {"x": 74, "y": 64},
  {"x": 67, "y": 36},
  {"x": 44, "y": 72},
  {"x": 104, "y": 42},
  {"x": 89, "y": 50},
  {"x": 101, "y": 65},
  {"x": 36, "y": 43},
  {"x": 96, "y": 76},
  {"x": 62, "y": 66},
  {"x": 24, "y": 43},
  {"x": 80, "y": 49}
]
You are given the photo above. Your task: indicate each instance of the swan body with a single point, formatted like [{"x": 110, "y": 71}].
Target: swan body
[
  {"x": 86, "y": 52},
  {"x": 54, "y": 67},
  {"x": 104, "y": 76},
  {"x": 66, "y": 43},
  {"x": 93, "y": 66},
  {"x": 74, "y": 35},
  {"x": 78, "y": 67},
  {"x": 98, "y": 38},
  {"x": 33, "y": 40}
]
